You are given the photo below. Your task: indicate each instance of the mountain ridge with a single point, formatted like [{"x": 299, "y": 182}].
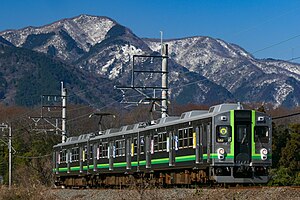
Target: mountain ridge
[{"x": 102, "y": 47}]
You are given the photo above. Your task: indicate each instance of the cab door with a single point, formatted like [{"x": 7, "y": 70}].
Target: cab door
[
  {"x": 243, "y": 144},
  {"x": 242, "y": 137}
]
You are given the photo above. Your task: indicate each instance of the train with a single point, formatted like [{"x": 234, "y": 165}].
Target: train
[{"x": 224, "y": 144}]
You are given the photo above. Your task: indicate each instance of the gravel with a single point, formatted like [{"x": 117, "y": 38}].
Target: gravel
[{"x": 176, "y": 193}]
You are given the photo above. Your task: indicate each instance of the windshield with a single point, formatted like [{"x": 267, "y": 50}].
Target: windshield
[{"x": 261, "y": 134}]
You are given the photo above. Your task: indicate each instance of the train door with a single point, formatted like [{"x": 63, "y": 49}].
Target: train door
[
  {"x": 148, "y": 151},
  {"x": 129, "y": 152},
  {"x": 199, "y": 147},
  {"x": 111, "y": 154},
  {"x": 95, "y": 156},
  {"x": 171, "y": 147},
  {"x": 242, "y": 147}
]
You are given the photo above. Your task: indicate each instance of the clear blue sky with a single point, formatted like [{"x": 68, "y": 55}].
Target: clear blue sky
[{"x": 251, "y": 24}]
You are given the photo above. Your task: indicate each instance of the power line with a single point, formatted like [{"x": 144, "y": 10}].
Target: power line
[
  {"x": 267, "y": 21},
  {"x": 284, "y": 116},
  {"x": 33, "y": 157},
  {"x": 276, "y": 44},
  {"x": 296, "y": 58}
]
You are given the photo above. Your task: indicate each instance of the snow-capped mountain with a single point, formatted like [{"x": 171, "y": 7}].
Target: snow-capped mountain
[
  {"x": 67, "y": 39},
  {"x": 228, "y": 65},
  {"x": 201, "y": 69}
]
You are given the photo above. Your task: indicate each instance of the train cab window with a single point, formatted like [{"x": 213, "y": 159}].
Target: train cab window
[
  {"x": 261, "y": 134},
  {"x": 242, "y": 134},
  {"x": 223, "y": 134}
]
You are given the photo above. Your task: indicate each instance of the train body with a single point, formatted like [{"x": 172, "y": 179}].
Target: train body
[{"x": 225, "y": 144}]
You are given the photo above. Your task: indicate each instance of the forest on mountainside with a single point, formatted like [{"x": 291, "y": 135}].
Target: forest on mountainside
[{"x": 32, "y": 159}]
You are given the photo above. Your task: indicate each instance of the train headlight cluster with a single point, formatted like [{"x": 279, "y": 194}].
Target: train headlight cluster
[
  {"x": 221, "y": 153},
  {"x": 264, "y": 154}
]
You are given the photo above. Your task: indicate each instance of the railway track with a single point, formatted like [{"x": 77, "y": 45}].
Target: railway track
[{"x": 238, "y": 192}]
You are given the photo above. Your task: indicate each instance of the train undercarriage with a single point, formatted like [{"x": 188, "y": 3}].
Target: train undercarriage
[
  {"x": 161, "y": 179},
  {"x": 180, "y": 177}
]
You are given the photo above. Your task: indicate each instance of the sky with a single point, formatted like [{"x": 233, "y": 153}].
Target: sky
[{"x": 264, "y": 28}]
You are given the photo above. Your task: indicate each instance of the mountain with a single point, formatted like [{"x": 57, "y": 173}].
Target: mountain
[
  {"x": 67, "y": 39},
  {"x": 97, "y": 52},
  {"x": 248, "y": 79},
  {"x": 25, "y": 75}
]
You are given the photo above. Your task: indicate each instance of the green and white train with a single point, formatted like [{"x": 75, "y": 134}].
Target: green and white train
[{"x": 225, "y": 144}]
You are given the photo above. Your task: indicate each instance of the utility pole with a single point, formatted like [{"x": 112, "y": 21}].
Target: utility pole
[
  {"x": 49, "y": 119},
  {"x": 140, "y": 88},
  {"x": 9, "y": 157},
  {"x": 64, "y": 112},
  {"x": 161, "y": 42},
  {"x": 164, "y": 82},
  {"x": 6, "y": 126}
]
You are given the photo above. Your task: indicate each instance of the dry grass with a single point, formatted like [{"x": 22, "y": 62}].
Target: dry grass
[{"x": 26, "y": 193}]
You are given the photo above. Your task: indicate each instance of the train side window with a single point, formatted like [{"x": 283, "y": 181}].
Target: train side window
[
  {"x": 142, "y": 142},
  {"x": 223, "y": 134},
  {"x": 162, "y": 141},
  {"x": 100, "y": 154},
  {"x": 75, "y": 154},
  {"x": 185, "y": 138},
  {"x": 135, "y": 145},
  {"x": 155, "y": 143},
  {"x": 180, "y": 139},
  {"x": 63, "y": 156},
  {"x": 261, "y": 134},
  {"x": 104, "y": 150},
  {"x": 190, "y": 137},
  {"x": 91, "y": 151},
  {"x": 117, "y": 147},
  {"x": 120, "y": 147}
]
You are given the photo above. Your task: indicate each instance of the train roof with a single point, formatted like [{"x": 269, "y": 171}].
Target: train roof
[{"x": 159, "y": 123}]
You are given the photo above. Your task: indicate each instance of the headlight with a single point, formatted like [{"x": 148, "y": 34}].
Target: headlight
[
  {"x": 221, "y": 153},
  {"x": 264, "y": 154}
]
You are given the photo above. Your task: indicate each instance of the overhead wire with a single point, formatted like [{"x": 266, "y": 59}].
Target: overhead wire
[
  {"x": 295, "y": 58},
  {"x": 276, "y": 44},
  {"x": 284, "y": 116},
  {"x": 33, "y": 157}
]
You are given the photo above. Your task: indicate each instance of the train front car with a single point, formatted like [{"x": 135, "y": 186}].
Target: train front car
[{"x": 242, "y": 142}]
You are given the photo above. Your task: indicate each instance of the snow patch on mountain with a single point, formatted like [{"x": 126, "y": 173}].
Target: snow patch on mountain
[
  {"x": 86, "y": 30},
  {"x": 282, "y": 92}
]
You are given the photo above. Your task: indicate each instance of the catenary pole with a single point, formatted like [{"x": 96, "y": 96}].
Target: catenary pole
[
  {"x": 164, "y": 81},
  {"x": 9, "y": 157},
  {"x": 64, "y": 112}
]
